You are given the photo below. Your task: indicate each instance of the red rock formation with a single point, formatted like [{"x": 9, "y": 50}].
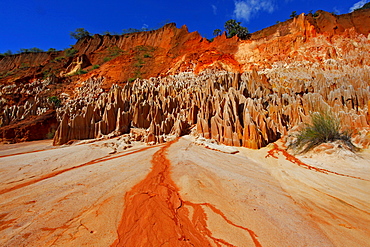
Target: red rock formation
[
  {"x": 278, "y": 77},
  {"x": 34, "y": 128}
]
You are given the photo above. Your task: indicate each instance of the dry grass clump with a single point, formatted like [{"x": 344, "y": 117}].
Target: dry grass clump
[{"x": 324, "y": 128}]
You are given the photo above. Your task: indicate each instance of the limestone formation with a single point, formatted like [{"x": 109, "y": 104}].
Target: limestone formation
[{"x": 235, "y": 109}]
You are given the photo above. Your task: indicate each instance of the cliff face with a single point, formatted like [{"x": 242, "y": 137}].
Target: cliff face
[
  {"x": 170, "y": 50},
  {"x": 243, "y": 93}
]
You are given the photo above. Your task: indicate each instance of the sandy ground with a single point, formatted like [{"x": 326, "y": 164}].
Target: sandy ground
[{"x": 181, "y": 194}]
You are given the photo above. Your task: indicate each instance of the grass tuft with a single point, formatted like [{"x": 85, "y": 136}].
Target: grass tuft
[{"x": 324, "y": 128}]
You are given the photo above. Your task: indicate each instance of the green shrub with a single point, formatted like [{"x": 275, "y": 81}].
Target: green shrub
[
  {"x": 79, "y": 33},
  {"x": 112, "y": 53},
  {"x": 24, "y": 66},
  {"x": 57, "y": 59},
  {"x": 96, "y": 66},
  {"x": 81, "y": 72},
  {"x": 54, "y": 99},
  {"x": 30, "y": 50},
  {"x": 50, "y": 134},
  {"x": 70, "y": 52},
  {"x": 324, "y": 128}
]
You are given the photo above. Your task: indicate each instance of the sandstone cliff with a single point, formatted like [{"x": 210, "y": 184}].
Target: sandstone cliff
[{"x": 242, "y": 93}]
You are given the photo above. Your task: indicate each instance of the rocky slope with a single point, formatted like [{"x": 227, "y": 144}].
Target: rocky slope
[
  {"x": 241, "y": 93},
  {"x": 138, "y": 158}
]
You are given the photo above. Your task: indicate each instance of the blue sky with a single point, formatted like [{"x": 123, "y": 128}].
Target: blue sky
[{"x": 47, "y": 23}]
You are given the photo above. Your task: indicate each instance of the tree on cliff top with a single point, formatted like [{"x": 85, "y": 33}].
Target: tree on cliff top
[
  {"x": 293, "y": 14},
  {"x": 217, "y": 32},
  {"x": 79, "y": 33},
  {"x": 234, "y": 28}
]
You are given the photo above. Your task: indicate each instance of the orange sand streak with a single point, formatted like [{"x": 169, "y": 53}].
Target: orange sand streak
[
  {"x": 294, "y": 160},
  {"x": 154, "y": 213},
  {"x": 53, "y": 174},
  {"x": 29, "y": 152}
]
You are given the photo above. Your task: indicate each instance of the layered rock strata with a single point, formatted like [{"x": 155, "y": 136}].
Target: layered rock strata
[{"x": 238, "y": 92}]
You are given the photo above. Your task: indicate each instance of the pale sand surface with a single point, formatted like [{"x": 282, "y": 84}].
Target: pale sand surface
[{"x": 74, "y": 195}]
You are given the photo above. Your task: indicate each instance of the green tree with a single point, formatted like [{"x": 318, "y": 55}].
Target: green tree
[
  {"x": 293, "y": 14},
  {"x": 23, "y": 50},
  {"x": 217, "y": 32},
  {"x": 79, "y": 33},
  {"x": 52, "y": 50},
  {"x": 7, "y": 53},
  {"x": 234, "y": 28},
  {"x": 35, "y": 49}
]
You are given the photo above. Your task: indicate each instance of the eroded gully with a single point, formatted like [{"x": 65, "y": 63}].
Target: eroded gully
[{"x": 155, "y": 214}]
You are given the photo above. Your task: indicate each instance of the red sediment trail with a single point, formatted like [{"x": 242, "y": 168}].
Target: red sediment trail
[
  {"x": 294, "y": 160},
  {"x": 29, "y": 152},
  {"x": 53, "y": 174},
  {"x": 155, "y": 214}
]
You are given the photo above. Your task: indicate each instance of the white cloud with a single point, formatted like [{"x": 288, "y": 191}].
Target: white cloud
[
  {"x": 357, "y": 5},
  {"x": 245, "y": 9},
  {"x": 214, "y": 8}
]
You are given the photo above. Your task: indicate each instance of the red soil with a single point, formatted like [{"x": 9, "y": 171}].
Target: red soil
[
  {"x": 155, "y": 214},
  {"x": 291, "y": 158}
]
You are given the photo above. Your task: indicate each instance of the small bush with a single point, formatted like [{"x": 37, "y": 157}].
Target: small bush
[
  {"x": 79, "y": 33},
  {"x": 112, "y": 53},
  {"x": 70, "y": 52},
  {"x": 96, "y": 66},
  {"x": 50, "y": 134},
  {"x": 54, "y": 99},
  {"x": 324, "y": 128},
  {"x": 57, "y": 59},
  {"x": 81, "y": 72}
]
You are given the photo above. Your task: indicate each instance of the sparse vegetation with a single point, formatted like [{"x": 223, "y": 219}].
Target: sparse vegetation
[
  {"x": 80, "y": 72},
  {"x": 233, "y": 28},
  {"x": 112, "y": 53},
  {"x": 217, "y": 32},
  {"x": 30, "y": 50},
  {"x": 5, "y": 74},
  {"x": 24, "y": 66},
  {"x": 324, "y": 128},
  {"x": 55, "y": 100},
  {"x": 134, "y": 30},
  {"x": 57, "y": 59},
  {"x": 7, "y": 53},
  {"x": 293, "y": 14},
  {"x": 95, "y": 66},
  {"x": 70, "y": 52},
  {"x": 79, "y": 33},
  {"x": 50, "y": 134}
]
